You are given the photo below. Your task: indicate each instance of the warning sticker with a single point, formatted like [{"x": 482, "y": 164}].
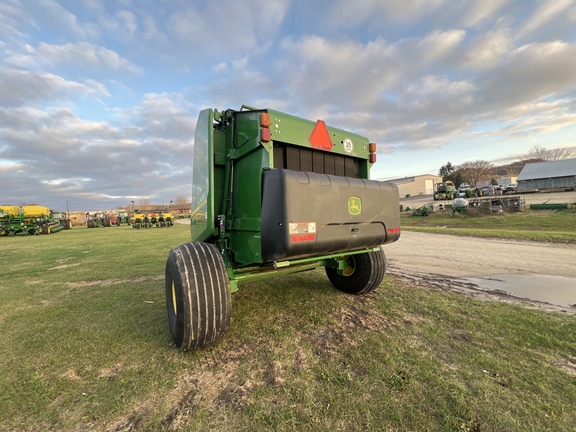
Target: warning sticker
[{"x": 302, "y": 228}]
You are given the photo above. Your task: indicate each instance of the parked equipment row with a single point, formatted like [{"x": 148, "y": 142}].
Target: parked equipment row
[
  {"x": 31, "y": 220},
  {"x": 160, "y": 220}
]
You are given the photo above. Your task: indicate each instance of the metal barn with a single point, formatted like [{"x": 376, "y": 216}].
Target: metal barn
[{"x": 548, "y": 175}]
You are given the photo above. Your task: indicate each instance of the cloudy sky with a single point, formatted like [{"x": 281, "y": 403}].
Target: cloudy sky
[{"x": 99, "y": 99}]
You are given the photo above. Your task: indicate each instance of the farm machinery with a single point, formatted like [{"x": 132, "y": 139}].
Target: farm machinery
[
  {"x": 473, "y": 193},
  {"x": 166, "y": 219},
  {"x": 162, "y": 219},
  {"x": 63, "y": 219},
  {"x": 275, "y": 194},
  {"x": 28, "y": 220},
  {"x": 445, "y": 191},
  {"x": 98, "y": 220},
  {"x": 421, "y": 211},
  {"x": 122, "y": 217},
  {"x": 140, "y": 220}
]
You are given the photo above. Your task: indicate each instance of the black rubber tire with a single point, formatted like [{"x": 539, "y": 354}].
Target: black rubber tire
[
  {"x": 118, "y": 222},
  {"x": 367, "y": 273},
  {"x": 68, "y": 224},
  {"x": 46, "y": 229},
  {"x": 198, "y": 298},
  {"x": 128, "y": 221}
]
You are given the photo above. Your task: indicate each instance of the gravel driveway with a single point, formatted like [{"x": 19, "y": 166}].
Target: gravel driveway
[{"x": 444, "y": 261}]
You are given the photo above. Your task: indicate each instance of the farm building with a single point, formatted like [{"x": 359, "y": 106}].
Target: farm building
[
  {"x": 417, "y": 185},
  {"x": 548, "y": 175}
]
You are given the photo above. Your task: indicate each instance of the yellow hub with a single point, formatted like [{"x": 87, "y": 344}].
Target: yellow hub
[
  {"x": 350, "y": 266},
  {"x": 174, "y": 299}
]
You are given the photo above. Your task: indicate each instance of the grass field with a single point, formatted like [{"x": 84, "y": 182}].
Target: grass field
[
  {"x": 85, "y": 346},
  {"x": 545, "y": 226}
]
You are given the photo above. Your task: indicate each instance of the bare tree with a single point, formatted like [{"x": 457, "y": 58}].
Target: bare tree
[
  {"x": 548, "y": 155},
  {"x": 181, "y": 201},
  {"x": 475, "y": 171},
  {"x": 143, "y": 202}
]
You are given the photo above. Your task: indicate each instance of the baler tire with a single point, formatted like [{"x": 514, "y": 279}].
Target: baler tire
[
  {"x": 68, "y": 224},
  {"x": 45, "y": 229},
  {"x": 367, "y": 273},
  {"x": 198, "y": 298}
]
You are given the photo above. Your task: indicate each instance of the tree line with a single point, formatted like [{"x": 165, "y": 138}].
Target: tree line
[{"x": 481, "y": 170}]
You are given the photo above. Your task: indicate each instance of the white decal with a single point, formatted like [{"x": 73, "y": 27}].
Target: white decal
[{"x": 348, "y": 145}]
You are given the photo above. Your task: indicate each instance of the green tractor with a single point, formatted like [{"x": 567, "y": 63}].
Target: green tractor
[
  {"x": 98, "y": 220},
  {"x": 421, "y": 211},
  {"x": 275, "y": 194},
  {"x": 445, "y": 191},
  {"x": 473, "y": 193},
  {"x": 123, "y": 218},
  {"x": 63, "y": 219}
]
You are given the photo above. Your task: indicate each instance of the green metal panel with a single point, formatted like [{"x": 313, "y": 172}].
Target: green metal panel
[
  {"x": 202, "y": 218},
  {"x": 246, "y": 206},
  {"x": 548, "y": 206},
  {"x": 295, "y": 130}
]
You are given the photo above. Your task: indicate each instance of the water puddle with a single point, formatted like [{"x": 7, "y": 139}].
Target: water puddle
[{"x": 558, "y": 290}]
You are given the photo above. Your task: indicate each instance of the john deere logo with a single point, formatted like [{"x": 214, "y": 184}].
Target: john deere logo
[{"x": 354, "y": 205}]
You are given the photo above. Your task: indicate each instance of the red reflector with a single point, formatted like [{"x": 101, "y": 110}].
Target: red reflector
[
  {"x": 265, "y": 120},
  {"x": 320, "y": 137},
  {"x": 303, "y": 238},
  {"x": 393, "y": 230},
  {"x": 372, "y": 157},
  {"x": 265, "y": 135}
]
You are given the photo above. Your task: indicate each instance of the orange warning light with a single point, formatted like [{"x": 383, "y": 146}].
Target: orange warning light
[{"x": 265, "y": 120}]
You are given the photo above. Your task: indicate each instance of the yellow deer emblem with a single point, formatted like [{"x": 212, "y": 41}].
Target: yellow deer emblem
[{"x": 354, "y": 205}]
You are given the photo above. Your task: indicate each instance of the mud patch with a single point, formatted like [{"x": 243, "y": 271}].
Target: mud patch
[
  {"x": 461, "y": 286},
  {"x": 566, "y": 365},
  {"x": 219, "y": 383},
  {"x": 84, "y": 285},
  {"x": 349, "y": 322},
  {"x": 71, "y": 375},
  {"x": 63, "y": 266}
]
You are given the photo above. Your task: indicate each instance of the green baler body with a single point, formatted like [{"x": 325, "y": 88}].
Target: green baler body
[{"x": 293, "y": 190}]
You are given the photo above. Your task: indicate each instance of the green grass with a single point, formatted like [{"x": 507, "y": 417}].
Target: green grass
[
  {"x": 85, "y": 346},
  {"x": 542, "y": 226}
]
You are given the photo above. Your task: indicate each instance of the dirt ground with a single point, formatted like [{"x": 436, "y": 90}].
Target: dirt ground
[{"x": 440, "y": 261}]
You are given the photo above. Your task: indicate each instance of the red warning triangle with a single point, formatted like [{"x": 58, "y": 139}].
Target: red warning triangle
[{"x": 320, "y": 137}]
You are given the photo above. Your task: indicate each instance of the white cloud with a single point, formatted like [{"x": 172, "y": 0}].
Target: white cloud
[
  {"x": 82, "y": 54},
  {"x": 489, "y": 49},
  {"x": 437, "y": 44},
  {"x": 543, "y": 15},
  {"x": 128, "y": 20},
  {"x": 439, "y": 86},
  {"x": 51, "y": 12},
  {"x": 481, "y": 11},
  {"x": 23, "y": 87}
]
